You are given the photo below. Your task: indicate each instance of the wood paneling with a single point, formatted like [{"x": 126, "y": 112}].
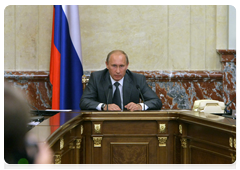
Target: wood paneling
[
  {"x": 157, "y": 137},
  {"x": 129, "y": 152},
  {"x": 199, "y": 155}
]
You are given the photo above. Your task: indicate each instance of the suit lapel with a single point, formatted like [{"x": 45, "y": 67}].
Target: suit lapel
[
  {"x": 127, "y": 89},
  {"x": 105, "y": 84}
]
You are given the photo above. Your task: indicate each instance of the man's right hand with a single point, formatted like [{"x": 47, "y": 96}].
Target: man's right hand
[{"x": 112, "y": 107}]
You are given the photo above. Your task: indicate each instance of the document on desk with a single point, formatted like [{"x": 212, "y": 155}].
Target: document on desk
[{"x": 61, "y": 110}]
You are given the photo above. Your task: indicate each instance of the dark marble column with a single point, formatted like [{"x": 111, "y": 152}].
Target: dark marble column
[{"x": 228, "y": 60}]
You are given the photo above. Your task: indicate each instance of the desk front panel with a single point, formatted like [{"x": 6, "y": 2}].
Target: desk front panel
[{"x": 145, "y": 138}]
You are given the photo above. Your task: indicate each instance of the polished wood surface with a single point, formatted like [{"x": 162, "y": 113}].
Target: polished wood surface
[{"x": 145, "y": 137}]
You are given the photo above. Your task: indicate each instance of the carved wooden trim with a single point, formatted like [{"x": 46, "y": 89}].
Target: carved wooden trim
[
  {"x": 71, "y": 145},
  {"x": 57, "y": 159},
  {"x": 234, "y": 143},
  {"x": 162, "y": 128},
  {"x": 97, "y": 128},
  {"x": 184, "y": 143},
  {"x": 233, "y": 156},
  {"x": 231, "y": 142},
  {"x": 61, "y": 143},
  {"x": 162, "y": 141},
  {"x": 81, "y": 129},
  {"x": 78, "y": 143},
  {"x": 180, "y": 129},
  {"x": 97, "y": 142}
]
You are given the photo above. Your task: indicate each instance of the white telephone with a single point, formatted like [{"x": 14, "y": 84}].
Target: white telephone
[{"x": 208, "y": 106}]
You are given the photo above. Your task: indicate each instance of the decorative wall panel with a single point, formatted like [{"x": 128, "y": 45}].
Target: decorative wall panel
[
  {"x": 228, "y": 60},
  {"x": 35, "y": 85},
  {"x": 179, "y": 89}
]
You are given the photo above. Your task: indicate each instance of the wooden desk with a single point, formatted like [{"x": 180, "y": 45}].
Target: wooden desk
[{"x": 152, "y": 137}]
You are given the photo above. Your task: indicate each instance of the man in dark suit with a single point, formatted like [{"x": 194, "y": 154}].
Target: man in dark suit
[{"x": 103, "y": 93}]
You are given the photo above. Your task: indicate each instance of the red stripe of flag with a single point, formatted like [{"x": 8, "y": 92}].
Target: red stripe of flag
[{"x": 54, "y": 77}]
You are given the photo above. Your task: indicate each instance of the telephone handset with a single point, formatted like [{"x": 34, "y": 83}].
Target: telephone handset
[{"x": 209, "y": 106}]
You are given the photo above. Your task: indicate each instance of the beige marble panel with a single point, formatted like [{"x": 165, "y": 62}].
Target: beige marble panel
[
  {"x": 27, "y": 38},
  {"x": 45, "y": 36},
  {"x": 179, "y": 37},
  {"x": 211, "y": 57},
  {"x": 198, "y": 35},
  {"x": 94, "y": 37},
  {"x": 222, "y": 27},
  {"x": 138, "y": 30},
  {"x": 154, "y": 37},
  {"x": 9, "y": 38},
  {"x": 150, "y": 41}
]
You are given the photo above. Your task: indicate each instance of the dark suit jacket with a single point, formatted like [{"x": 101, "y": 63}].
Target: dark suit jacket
[{"x": 97, "y": 91}]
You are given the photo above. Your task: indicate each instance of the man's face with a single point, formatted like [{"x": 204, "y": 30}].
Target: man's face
[{"x": 117, "y": 65}]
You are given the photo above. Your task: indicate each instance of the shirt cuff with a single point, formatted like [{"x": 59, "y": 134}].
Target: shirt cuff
[
  {"x": 99, "y": 107},
  {"x": 146, "y": 107}
]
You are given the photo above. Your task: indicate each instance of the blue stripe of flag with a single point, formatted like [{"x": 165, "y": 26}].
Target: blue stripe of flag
[{"x": 71, "y": 66}]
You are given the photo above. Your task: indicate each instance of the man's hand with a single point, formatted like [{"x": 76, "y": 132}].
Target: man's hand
[
  {"x": 112, "y": 107},
  {"x": 133, "y": 106}
]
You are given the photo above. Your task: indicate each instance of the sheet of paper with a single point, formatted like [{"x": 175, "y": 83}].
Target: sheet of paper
[{"x": 64, "y": 110}]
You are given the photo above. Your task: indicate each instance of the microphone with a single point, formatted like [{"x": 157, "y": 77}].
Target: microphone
[
  {"x": 138, "y": 87},
  {"x": 109, "y": 92}
]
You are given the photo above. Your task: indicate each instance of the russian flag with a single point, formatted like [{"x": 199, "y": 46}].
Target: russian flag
[{"x": 66, "y": 61}]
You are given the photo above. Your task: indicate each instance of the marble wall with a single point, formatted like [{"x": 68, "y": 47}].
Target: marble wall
[
  {"x": 177, "y": 90},
  {"x": 228, "y": 60},
  {"x": 155, "y": 37},
  {"x": 27, "y": 37},
  {"x": 34, "y": 85}
]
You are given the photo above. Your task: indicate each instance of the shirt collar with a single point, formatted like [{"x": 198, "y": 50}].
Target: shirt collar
[{"x": 120, "y": 81}]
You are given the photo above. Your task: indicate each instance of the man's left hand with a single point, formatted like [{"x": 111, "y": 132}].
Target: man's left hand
[{"x": 133, "y": 106}]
